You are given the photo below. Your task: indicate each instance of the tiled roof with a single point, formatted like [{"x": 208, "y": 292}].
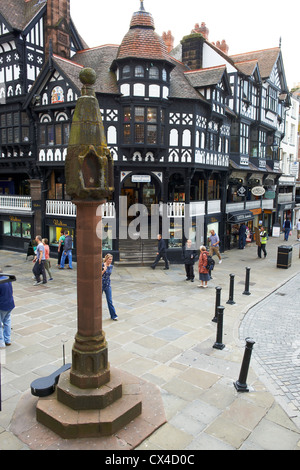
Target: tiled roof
[
  {"x": 266, "y": 59},
  {"x": 100, "y": 59},
  {"x": 19, "y": 13},
  {"x": 205, "y": 77},
  {"x": 247, "y": 67},
  {"x": 141, "y": 40}
]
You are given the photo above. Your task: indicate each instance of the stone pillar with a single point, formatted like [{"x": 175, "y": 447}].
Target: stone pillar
[{"x": 90, "y": 366}]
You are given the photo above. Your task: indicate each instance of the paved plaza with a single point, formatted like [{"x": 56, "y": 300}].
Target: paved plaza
[{"x": 165, "y": 335}]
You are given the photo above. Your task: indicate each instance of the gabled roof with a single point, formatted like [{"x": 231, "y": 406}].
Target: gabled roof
[
  {"x": 19, "y": 13},
  {"x": 210, "y": 76},
  {"x": 265, "y": 58}
]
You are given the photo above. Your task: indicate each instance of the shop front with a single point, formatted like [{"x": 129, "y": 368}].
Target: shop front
[
  {"x": 233, "y": 224},
  {"x": 16, "y": 231},
  {"x": 54, "y": 228}
]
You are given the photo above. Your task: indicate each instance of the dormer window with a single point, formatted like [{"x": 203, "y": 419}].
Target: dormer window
[
  {"x": 154, "y": 73},
  {"x": 139, "y": 71},
  {"x": 126, "y": 72},
  {"x": 164, "y": 75},
  {"x": 272, "y": 99},
  {"x": 246, "y": 91}
]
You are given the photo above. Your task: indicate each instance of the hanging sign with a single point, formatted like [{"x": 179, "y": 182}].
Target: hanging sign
[{"x": 258, "y": 190}]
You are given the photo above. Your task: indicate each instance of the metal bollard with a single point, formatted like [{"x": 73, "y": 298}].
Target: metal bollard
[
  {"x": 217, "y": 304},
  {"x": 231, "y": 289},
  {"x": 247, "y": 282},
  {"x": 218, "y": 344},
  {"x": 241, "y": 384}
]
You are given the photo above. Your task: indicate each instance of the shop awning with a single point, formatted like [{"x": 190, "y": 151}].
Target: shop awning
[{"x": 239, "y": 217}]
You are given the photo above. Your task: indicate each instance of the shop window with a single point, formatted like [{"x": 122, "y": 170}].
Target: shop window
[
  {"x": 16, "y": 229},
  {"x": 6, "y": 228},
  {"x": 55, "y": 233},
  {"x": 26, "y": 230}
]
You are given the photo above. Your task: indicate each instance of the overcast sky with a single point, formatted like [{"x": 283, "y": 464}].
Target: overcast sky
[{"x": 246, "y": 26}]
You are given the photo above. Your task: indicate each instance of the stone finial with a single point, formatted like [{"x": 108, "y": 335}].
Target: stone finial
[{"x": 89, "y": 165}]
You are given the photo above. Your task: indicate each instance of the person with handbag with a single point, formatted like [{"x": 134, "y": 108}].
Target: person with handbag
[{"x": 204, "y": 274}]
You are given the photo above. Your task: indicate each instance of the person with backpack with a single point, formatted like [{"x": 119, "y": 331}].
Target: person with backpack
[
  {"x": 204, "y": 275},
  {"x": 67, "y": 252}
]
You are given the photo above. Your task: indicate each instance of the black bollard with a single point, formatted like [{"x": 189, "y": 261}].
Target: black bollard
[
  {"x": 247, "y": 282},
  {"x": 218, "y": 302},
  {"x": 218, "y": 344},
  {"x": 231, "y": 290},
  {"x": 241, "y": 384}
]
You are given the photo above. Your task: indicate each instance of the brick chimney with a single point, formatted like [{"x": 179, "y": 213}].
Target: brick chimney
[
  {"x": 222, "y": 46},
  {"x": 58, "y": 27},
  {"x": 168, "y": 40},
  {"x": 201, "y": 29}
]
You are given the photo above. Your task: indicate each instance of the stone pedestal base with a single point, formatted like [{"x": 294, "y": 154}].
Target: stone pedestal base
[
  {"x": 72, "y": 412},
  {"x": 41, "y": 437}
]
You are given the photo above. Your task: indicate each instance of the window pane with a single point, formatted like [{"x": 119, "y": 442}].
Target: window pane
[
  {"x": 152, "y": 115},
  {"x": 126, "y": 134},
  {"x": 151, "y": 134},
  {"x": 153, "y": 73},
  {"x": 26, "y": 230},
  {"x": 16, "y": 135},
  {"x": 16, "y": 229},
  {"x": 58, "y": 134},
  {"x": 66, "y": 133},
  {"x": 139, "y": 71},
  {"x": 42, "y": 135},
  {"x": 51, "y": 135},
  {"x": 6, "y": 228},
  {"x": 126, "y": 114},
  {"x": 139, "y": 114},
  {"x": 25, "y": 134},
  {"x": 126, "y": 71},
  {"x": 3, "y": 136},
  {"x": 139, "y": 134}
]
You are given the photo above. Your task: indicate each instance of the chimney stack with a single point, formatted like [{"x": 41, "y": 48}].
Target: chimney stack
[
  {"x": 201, "y": 29},
  {"x": 168, "y": 40},
  {"x": 222, "y": 46},
  {"x": 58, "y": 27}
]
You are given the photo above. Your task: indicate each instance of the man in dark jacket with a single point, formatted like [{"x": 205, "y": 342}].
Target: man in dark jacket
[
  {"x": 6, "y": 306},
  {"x": 162, "y": 253},
  {"x": 189, "y": 255},
  {"x": 68, "y": 244}
]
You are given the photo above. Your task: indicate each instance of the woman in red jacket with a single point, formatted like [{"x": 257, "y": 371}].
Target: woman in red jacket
[{"x": 203, "y": 271}]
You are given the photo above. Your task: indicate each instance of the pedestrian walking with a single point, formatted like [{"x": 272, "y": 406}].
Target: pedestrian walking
[
  {"x": 204, "y": 275},
  {"x": 161, "y": 253},
  {"x": 39, "y": 262},
  {"x": 106, "y": 285},
  {"x": 214, "y": 245},
  {"x": 298, "y": 230},
  {"x": 263, "y": 242},
  {"x": 242, "y": 236},
  {"x": 47, "y": 258},
  {"x": 67, "y": 251},
  {"x": 287, "y": 229},
  {"x": 7, "y": 304},
  {"x": 189, "y": 255},
  {"x": 60, "y": 248}
]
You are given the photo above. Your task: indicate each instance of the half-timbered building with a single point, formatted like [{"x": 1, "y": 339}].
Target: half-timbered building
[{"x": 186, "y": 128}]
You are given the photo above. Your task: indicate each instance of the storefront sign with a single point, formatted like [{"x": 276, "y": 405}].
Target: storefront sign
[
  {"x": 270, "y": 194},
  {"x": 258, "y": 191},
  {"x": 241, "y": 191},
  {"x": 141, "y": 179}
]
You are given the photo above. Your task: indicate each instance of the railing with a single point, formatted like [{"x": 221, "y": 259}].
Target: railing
[
  {"x": 68, "y": 209},
  {"x": 60, "y": 208},
  {"x": 15, "y": 203},
  {"x": 175, "y": 209}
]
